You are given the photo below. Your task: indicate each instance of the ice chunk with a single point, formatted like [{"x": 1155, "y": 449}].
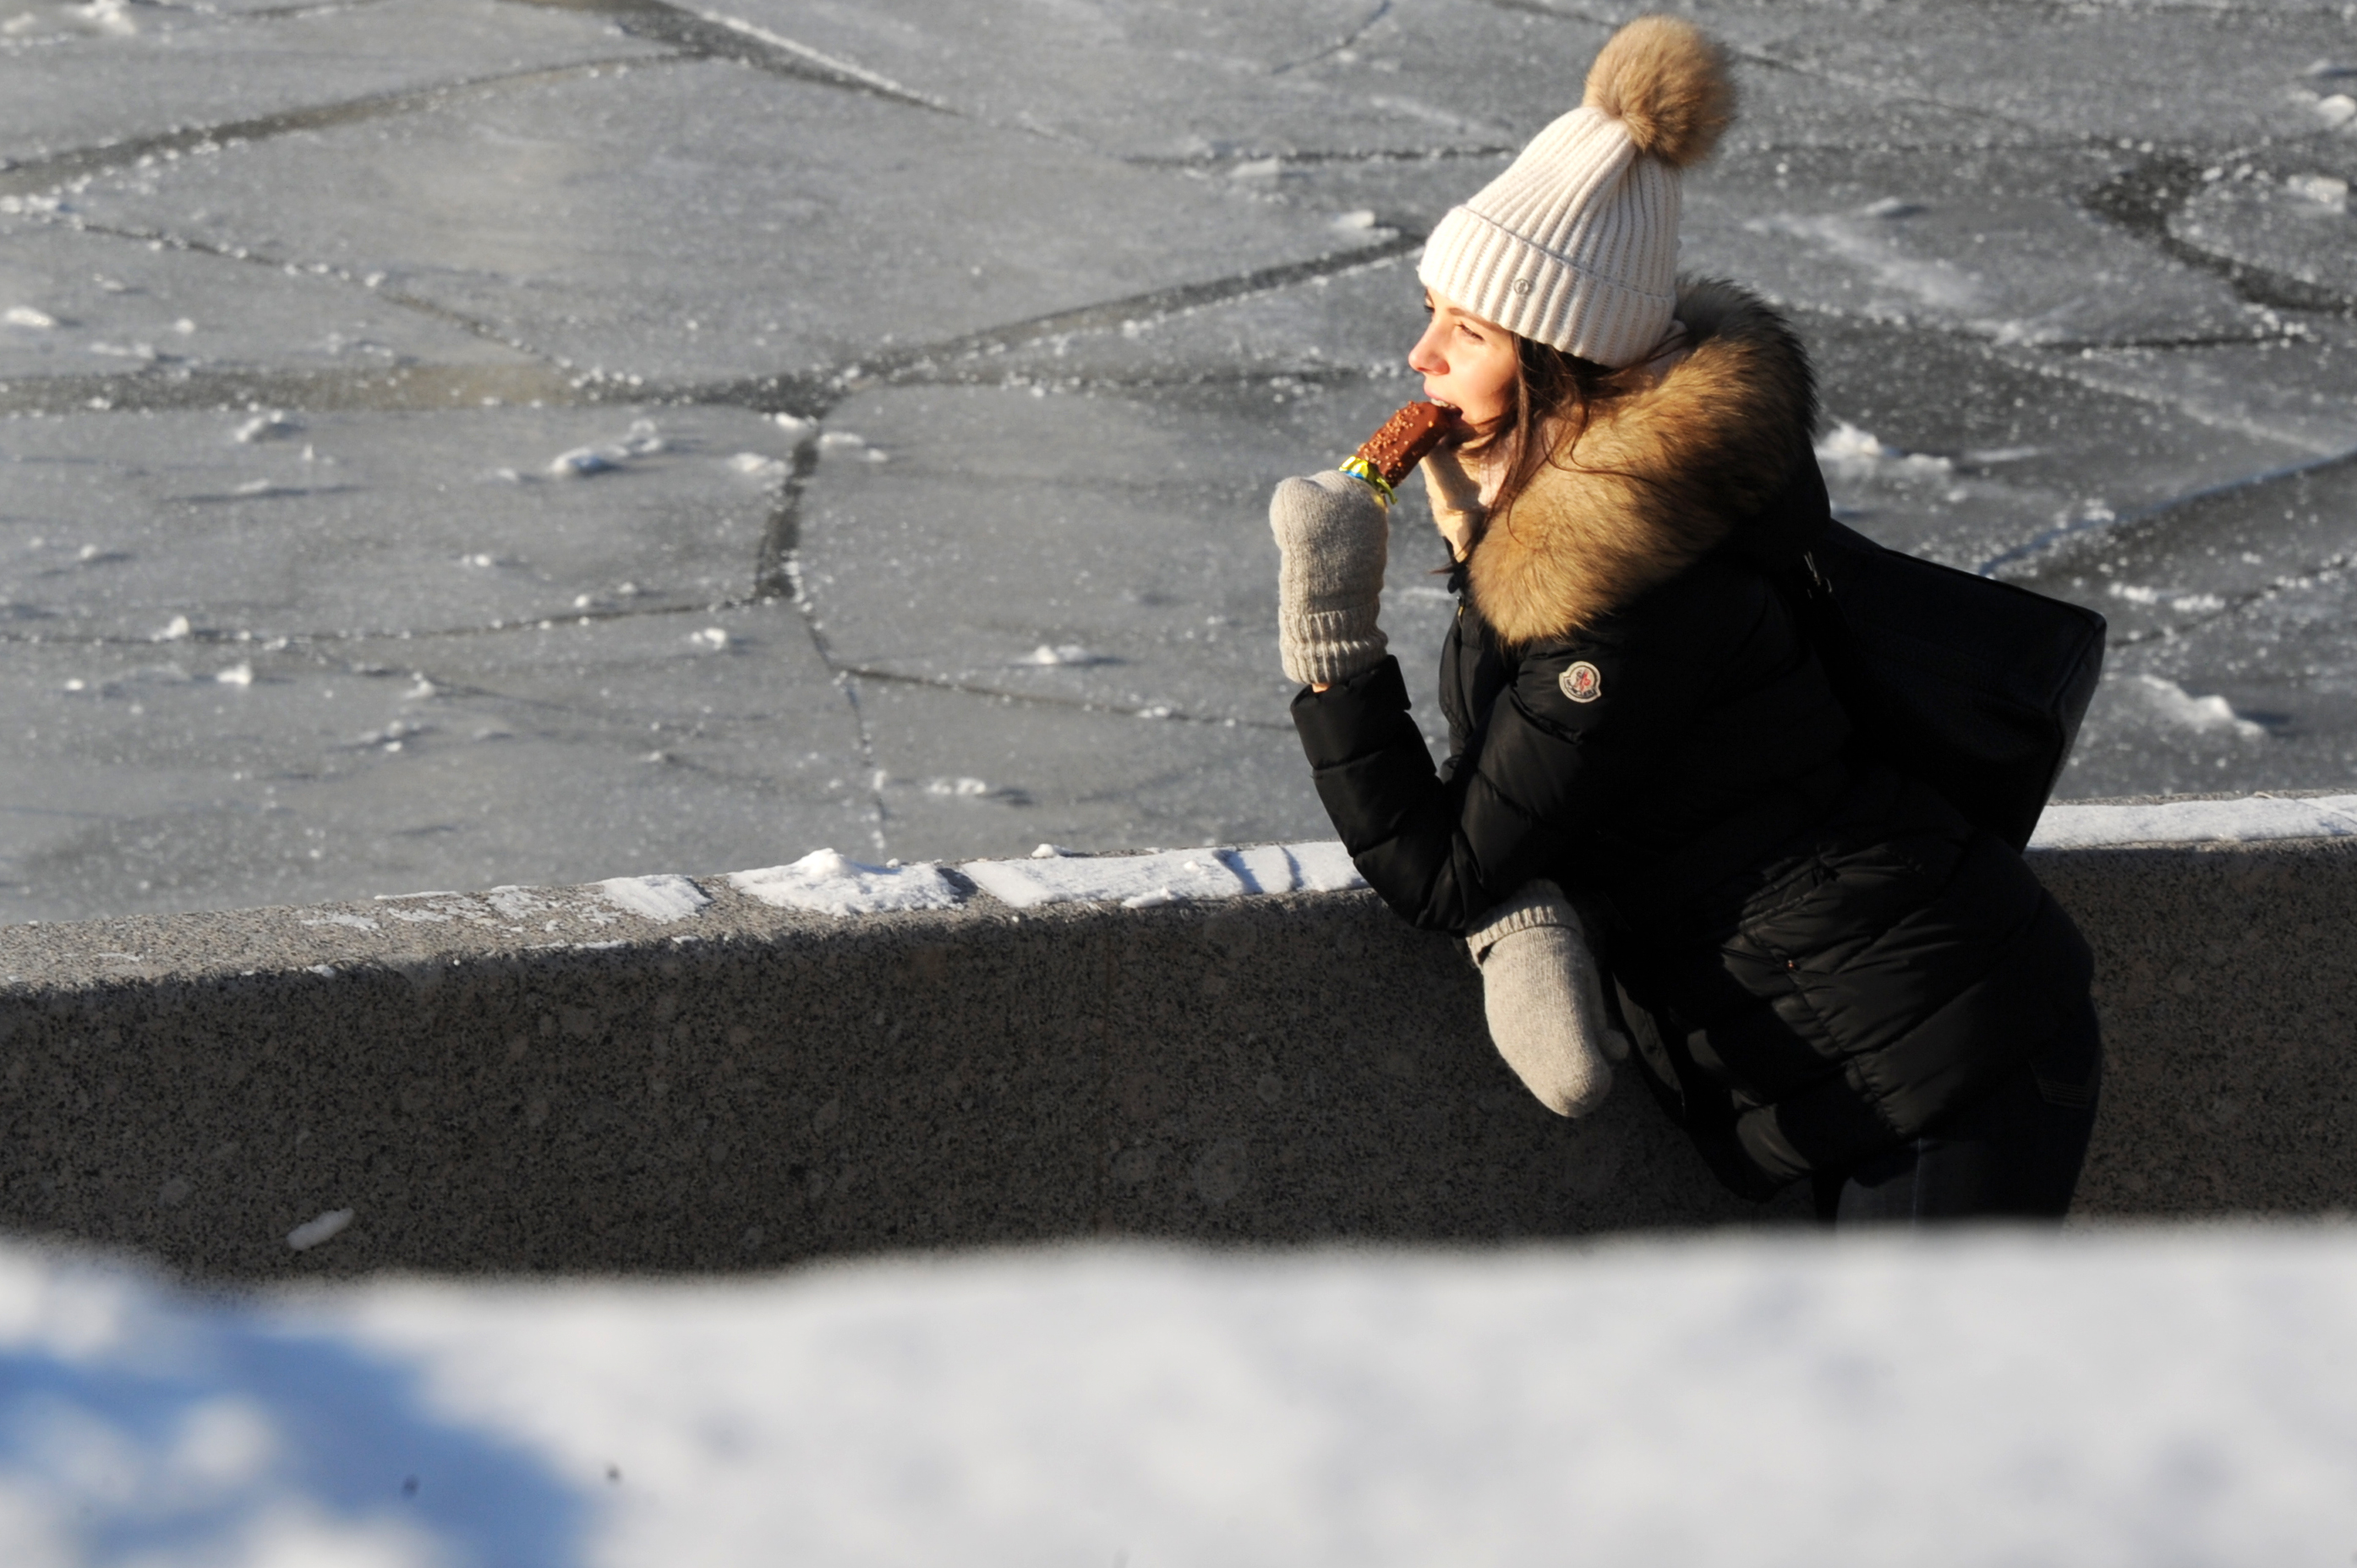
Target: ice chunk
[
  {"x": 583, "y": 461},
  {"x": 325, "y": 1227},
  {"x": 753, "y": 465},
  {"x": 2176, "y": 706},
  {"x": 2187, "y": 604},
  {"x": 833, "y": 884},
  {"x": 643, "y": 440},
  {"x": 239, "y": 674},
  {"x": 1859, "y": 453},
  {"x": 1061, "y": 653},
  {"x": 2337, "y": 109},
  {"x": 1166, "y": 877},
  {"x": 2324, "y": 190},
  {"x": 25, "y": 316},
  {"x": 713, "y": 638},
  {"x": 273, "y": 426},
  {"x": 664, "y": 897}
]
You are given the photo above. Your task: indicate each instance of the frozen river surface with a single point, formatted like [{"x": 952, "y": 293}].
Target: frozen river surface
[{"x": 461, "y": 442}]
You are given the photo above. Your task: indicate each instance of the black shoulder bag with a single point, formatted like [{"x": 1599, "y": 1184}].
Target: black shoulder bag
[{"x": 1975, "y": 686}]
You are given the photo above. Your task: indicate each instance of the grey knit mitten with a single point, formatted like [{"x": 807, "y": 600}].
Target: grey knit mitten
[
  {"x": 1544, "y": 999},
  {"x": 1334, "y": 535}
]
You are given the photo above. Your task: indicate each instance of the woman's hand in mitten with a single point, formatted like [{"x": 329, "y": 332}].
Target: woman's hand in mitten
[
  {"x": 1455, "y": 491},
  {"x": 1544, "y": 998},
  {"x": 1334, "y": 535}
]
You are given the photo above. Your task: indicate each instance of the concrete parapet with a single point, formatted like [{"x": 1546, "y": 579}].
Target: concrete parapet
[{"x": 541, "y": 1079}]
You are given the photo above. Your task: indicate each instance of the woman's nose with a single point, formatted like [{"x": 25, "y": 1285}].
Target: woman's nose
[{"x": 1425, "y": 359}]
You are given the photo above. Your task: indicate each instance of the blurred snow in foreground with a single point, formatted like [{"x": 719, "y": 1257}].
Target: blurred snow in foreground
[{"x": 2090, "y": 1399}]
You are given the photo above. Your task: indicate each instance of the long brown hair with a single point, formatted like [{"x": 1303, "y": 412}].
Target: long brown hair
[{"x": 1555, "y": 395}]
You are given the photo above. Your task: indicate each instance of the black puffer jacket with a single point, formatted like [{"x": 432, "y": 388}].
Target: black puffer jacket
[{"x": 1824, "y": 954}]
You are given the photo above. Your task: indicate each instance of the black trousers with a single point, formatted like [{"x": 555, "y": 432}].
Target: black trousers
[{"x": 2013, "y": 1153}]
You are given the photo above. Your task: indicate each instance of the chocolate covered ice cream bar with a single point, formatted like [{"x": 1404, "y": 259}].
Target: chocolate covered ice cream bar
[{"x": 1395, "y": 449}]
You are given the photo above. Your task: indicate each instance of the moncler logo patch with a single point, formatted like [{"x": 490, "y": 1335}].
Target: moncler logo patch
[{"x": 1583, "y": 683}]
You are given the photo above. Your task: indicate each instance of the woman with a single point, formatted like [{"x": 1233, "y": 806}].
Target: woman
[{"x": 1828, "y": 972}]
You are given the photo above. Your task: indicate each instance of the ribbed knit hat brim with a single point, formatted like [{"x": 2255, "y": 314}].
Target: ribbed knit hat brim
[{"x": 1575, "y": 245}]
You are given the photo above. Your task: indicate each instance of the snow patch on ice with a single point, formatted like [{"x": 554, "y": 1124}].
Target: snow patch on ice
[
  {"x": 357, "y": 923},
  {"x": 1869, "y": 245},
  {"x": 2252, "y": 820},
  {"x": 325, "y": 1227},
  {"x": 276, "y": 424},
  {"x": 1065, "y": 653},
  {"x": 843, "y": 443},
  {"x": 2187, "y": 604},
  {"x": 2324, "y": 190},
  {"x": 643, "y": 440},
  {"x": 754, "y": 465},
  {"x": 833, "y": 884},
  {"x": 664, "y": 897}
]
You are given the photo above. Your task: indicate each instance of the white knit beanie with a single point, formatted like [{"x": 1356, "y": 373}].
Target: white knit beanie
[{"x": 1576, "y": 243}]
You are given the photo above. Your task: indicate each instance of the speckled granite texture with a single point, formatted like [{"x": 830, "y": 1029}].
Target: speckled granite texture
[{"x": 533, "y": 1079}]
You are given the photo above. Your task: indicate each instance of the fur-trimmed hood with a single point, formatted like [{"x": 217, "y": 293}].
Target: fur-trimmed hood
[{"x": 1657, "y": 479}]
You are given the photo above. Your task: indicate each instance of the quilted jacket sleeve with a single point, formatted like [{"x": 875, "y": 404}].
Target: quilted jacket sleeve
[{"x": 1582, "y": 725}]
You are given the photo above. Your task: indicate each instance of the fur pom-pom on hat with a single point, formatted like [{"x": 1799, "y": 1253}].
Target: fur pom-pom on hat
[
  {"x": 1666, "y": 81},
  {"x": 1576, "y": 243}
]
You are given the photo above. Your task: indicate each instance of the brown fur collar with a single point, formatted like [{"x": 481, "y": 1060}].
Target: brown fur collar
[{"x": 1660, "y": 478}]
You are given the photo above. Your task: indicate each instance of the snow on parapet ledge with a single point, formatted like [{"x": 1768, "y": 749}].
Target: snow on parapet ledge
[
  {"x": 831, "y": 883},
  {"x": 1168, "y": 877},
  {"x": 2252, "y": 819},
  {"x": 662, "y": 897}
]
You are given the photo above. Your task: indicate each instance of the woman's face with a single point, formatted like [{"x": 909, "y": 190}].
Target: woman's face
[{"x": 1468, "y": 364}]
